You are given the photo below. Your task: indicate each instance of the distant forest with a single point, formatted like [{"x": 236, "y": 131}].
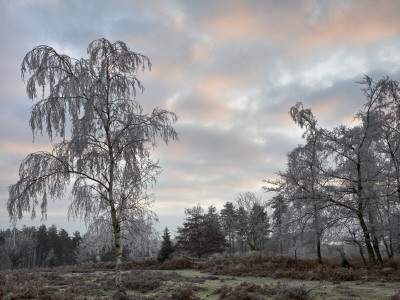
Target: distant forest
[{"x": 37, "y": 247}]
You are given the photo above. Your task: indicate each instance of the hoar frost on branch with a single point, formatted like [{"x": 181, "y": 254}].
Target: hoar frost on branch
[
  {"x": 106, "y": 157},
  {"x": 138, "y": 237},
  {"x": 344, "y": 183}
]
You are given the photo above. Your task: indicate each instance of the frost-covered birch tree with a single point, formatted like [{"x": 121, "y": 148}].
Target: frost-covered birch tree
[
  {"x": 304, "y": 173},
  {"x": 100, "y": 135}
]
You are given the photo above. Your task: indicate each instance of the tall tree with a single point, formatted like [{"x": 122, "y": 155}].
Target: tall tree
[
  {"x": 190, "y": 237},
  {"x": 304, "y": 173},
  {"x": 279, "y": 220},
  {"x": 42, "y": 248},
  {"x": 106, "y": 155},
  {"x": 358, "y": 174},
  {"x": 228, "y": 221},
  {"x": 241, "y": 227},
  {"x": 200, "y": 234},
  {"x": 214, "y": 237}
]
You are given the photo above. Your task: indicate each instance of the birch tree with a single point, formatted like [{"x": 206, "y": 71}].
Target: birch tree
[
  {"x": 358, "y": 175},
  {"x": 304, "y": 164},
  {"x": 100, "y": 135}
]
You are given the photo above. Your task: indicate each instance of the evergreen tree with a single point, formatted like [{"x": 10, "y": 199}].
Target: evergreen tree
[
  {"x": 201, "y": 234},
  {"x": 166, "y": 246},
  {"x": 51, "y": 259},
  {"x": 228, "y": 217}
]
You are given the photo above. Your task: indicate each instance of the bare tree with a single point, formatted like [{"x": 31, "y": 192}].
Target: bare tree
[
  {"x": 256, "y": 226},
  {"x": 358, "y": 171},
  {"x": 106, "y": 156}
]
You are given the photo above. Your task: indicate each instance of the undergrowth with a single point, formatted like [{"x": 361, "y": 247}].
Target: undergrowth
[
  {"x": 251, "y": 291},
  {"x": 142, "y": 280},
  {"x": 275, "y": 266}
]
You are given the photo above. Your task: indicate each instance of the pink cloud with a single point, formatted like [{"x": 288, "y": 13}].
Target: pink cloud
[
  {"x": 246, "y": 23},
  {"x": 360, "y": 23},
  {"x": 200, "y": 53},
  {"x": 22, "y": 148},
  {"x": 206, "y": 101},
  {"x": 355, "y": 23},
  {"x": 166, "y": 70}
]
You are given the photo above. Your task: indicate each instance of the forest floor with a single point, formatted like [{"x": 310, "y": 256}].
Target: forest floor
[{"x": 144, "y": 281}]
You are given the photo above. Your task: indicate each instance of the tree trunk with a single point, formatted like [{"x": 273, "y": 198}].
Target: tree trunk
[
  {"x": 375, "y": 244},
  {"x": 362, "y": 254},
  {"x": 367, "y": 239},
  {"x": 366, "y": 233},
  {"x": 375, "y": 241},
  {"x": 388, "y": 249},
  {"x": 118, "y": 249},
  {"x": 318, "y": 235},
  {"x": 319, "y": 252}
]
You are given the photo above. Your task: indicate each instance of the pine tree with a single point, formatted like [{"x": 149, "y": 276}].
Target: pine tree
[
  {"x": 201, "y": 234},
  {"x": 166, "y": 246}
]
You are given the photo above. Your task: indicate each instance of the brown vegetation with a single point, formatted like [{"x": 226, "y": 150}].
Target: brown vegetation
[
  {"x": 260, "y": 264},
  {"x": 251, "y": 291},
  {"x": 142, "y": 281}
]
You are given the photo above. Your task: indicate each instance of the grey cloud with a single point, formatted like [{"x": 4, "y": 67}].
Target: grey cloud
[{"x": 233, "y": 132}]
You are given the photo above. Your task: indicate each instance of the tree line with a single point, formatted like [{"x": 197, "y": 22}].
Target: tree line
[
  {"x": 340, "y": 188},
  {"x": 343, "y": 184},
  {"x": 37, "y": 247},
  {"x": 240, "y": 226}
]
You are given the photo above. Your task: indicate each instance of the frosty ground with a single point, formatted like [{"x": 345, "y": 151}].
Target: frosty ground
[{"x": 261, "y": 277}]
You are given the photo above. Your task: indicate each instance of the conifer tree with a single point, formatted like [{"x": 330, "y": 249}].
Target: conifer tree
[
  {"x": 166, "y": 246},
  {"x": 51, "y": 259}
]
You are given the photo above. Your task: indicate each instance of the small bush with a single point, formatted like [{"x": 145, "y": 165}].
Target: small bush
[
  {"x": 145, "y": 282},
  {"x": 176, "y": 263},
  {"x": 184, "y": 292},
  {"x": 284, "y": 291},
  {"x": 244, "y": 291},
  {"x": 395, "y": 296}
]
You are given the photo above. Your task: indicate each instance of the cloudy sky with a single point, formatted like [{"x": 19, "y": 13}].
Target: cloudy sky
[{"x": 230, "y": 70}]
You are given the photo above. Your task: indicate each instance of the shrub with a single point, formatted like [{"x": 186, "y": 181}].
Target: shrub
[
  {"x": 277, "y": 266},
  {"x": 176, "y": 263},
  {"x": 184, "y": 292},
  {"x": 395, "y": 296},
  {"x": 244, "y": 291},
  {"x": 145, "y": 282},
  {"x": 284, "y": 291}
]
